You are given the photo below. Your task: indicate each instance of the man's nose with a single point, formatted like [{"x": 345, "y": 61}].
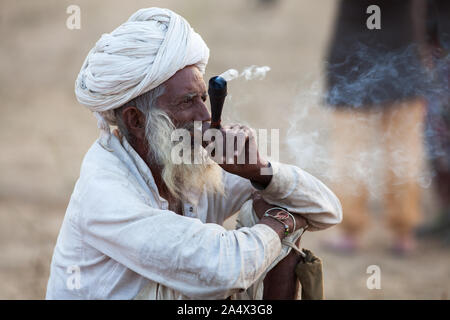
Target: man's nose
[{"x": 202, "y": 113}]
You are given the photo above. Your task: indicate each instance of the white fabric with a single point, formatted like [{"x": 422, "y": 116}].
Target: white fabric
[
  {"x": 120, "y": 235},
  {"x": 138, "y": 56}
]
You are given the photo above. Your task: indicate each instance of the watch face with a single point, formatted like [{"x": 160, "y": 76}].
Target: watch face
[{"x": 282, "y": 215}]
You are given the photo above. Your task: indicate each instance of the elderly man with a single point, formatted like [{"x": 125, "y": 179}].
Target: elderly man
[{"x": 140, "y": 226}]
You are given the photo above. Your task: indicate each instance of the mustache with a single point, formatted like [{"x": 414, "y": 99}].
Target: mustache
[
  {"x": 187, "y": 125},
  {"x": 193, "y": 127}
]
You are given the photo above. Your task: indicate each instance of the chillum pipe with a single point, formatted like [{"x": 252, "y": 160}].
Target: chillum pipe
[{"x": 217, "y": 92}]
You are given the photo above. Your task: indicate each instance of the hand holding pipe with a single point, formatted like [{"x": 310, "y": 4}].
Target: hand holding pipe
[{"x": 217, "y": 92}]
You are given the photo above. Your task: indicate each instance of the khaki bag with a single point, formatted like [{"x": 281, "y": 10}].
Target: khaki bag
[{"x": 309, "y": 273}]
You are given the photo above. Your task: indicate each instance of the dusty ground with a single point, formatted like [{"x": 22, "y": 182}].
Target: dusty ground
[{"x": 44, "y": 133}]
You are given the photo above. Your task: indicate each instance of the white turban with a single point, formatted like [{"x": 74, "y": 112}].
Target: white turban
[{"x": 138, "y": 56}]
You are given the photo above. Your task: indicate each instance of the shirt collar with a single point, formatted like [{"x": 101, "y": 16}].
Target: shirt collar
[{"x": 142, "y": 168}]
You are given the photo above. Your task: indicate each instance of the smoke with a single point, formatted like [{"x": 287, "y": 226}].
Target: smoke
[
  {"x": 355, "y": 152},
  {"x": 249, "y": 73},
  {"x": 240, "y": 100},
  {"x": 316, "y": 139},
  {"x": 437, "y": 132},
  {"x": 369, "y": 76}
]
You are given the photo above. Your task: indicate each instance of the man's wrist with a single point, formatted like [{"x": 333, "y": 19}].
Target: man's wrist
[
  {"x": 274, "y": 225},
  {"x": 259, "y": 180},
  {"x": 281, "y": 219}
]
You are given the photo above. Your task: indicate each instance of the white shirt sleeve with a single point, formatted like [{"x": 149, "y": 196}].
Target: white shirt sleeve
[
  {"x": 291, "y": 188},
  {"x": 199, "y": 260},
  {"x": 299, "y": 192}
]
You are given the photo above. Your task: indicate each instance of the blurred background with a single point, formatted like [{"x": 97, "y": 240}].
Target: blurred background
[{"x": 44, "y": 134}]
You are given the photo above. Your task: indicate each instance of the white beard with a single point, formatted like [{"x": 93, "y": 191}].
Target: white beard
[{"x": 182, "y": 180}]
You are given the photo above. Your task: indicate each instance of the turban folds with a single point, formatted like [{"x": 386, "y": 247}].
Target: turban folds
[{"x": 138, "y": 56}]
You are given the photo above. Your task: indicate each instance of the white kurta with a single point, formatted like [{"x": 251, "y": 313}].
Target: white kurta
[{"x": 118, "y": 239}]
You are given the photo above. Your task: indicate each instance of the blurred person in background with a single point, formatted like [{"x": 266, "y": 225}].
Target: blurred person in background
[
  {"x": 433, "y": 30},
  {"x": 374, "y": 82}
]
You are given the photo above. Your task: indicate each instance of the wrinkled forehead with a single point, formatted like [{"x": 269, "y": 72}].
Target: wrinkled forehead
[{"x": 184, "y": 81}]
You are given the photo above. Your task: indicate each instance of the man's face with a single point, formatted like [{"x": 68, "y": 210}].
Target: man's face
[
  {"x": 184, "y": 97},
  {"x": 182, "y": 103}
]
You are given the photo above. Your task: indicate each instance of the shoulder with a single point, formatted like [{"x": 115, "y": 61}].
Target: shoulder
[
  {"x": 105, "y": 181},
  {"x": 99, "y": 161}
]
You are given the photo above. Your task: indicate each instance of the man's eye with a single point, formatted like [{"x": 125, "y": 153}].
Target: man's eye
[{"x": 204, "y": 98}]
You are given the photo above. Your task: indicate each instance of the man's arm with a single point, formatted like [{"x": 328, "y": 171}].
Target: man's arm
[
  {"x": 281, "y": 282},
  {"x": 199, "y": 260},
  {"x": 288, "y": 187},
  {"x": 280, "y": 184}
]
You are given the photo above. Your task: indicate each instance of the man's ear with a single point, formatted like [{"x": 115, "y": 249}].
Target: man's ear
[{"x": 134, "y": 120}]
